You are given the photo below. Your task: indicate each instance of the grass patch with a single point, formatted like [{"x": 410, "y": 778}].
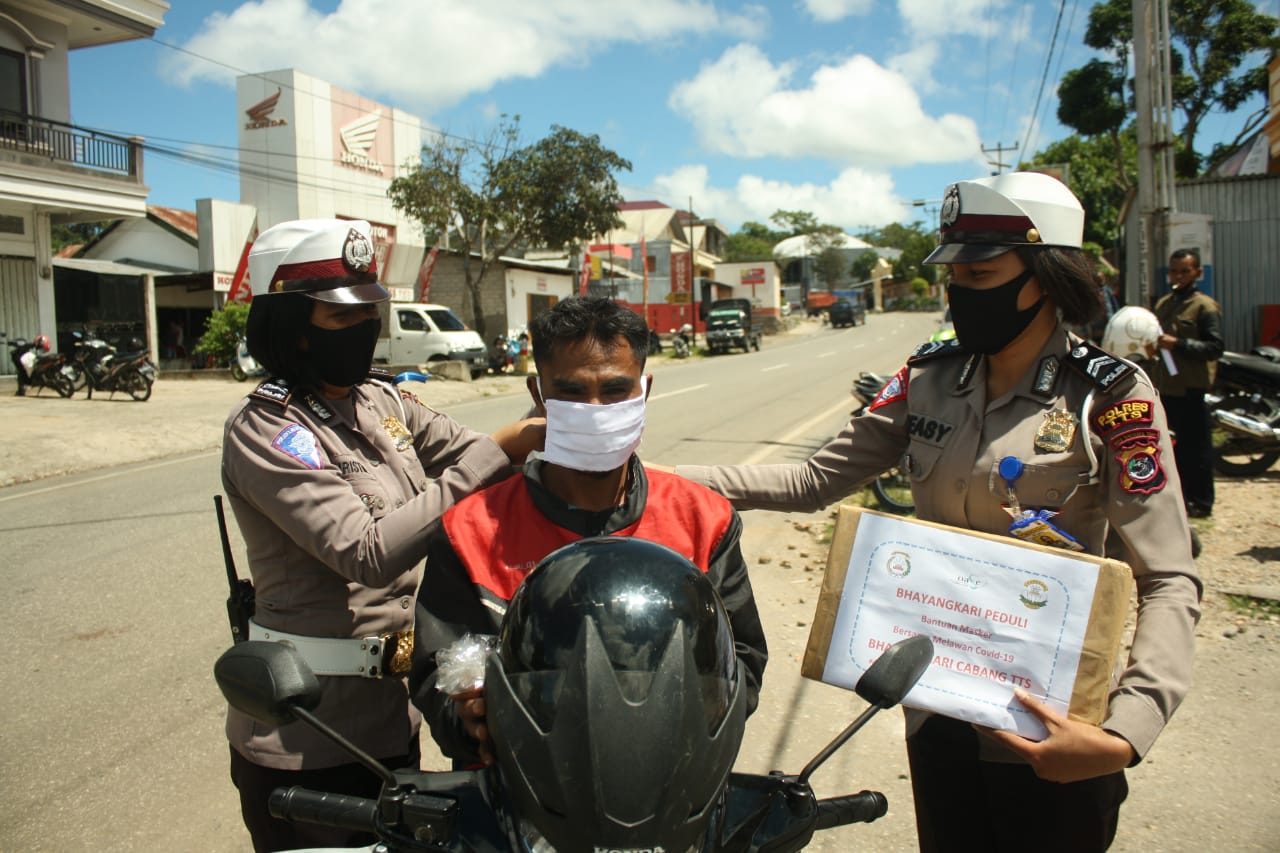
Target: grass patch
[{"x": 1254, "y": 608}]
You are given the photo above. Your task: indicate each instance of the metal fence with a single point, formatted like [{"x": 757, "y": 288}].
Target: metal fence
[{"x": 66, "y": 143}]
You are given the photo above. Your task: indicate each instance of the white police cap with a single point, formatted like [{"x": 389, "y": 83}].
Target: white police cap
[
  {"x": 327, "y": 259},
  {"x": 990, "y": 216}
]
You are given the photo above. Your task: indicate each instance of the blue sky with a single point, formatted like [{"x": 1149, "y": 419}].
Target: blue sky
[{"x": 850, "y": 109}]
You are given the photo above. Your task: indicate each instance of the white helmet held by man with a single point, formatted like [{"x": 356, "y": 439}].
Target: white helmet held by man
[{"x": 1131, "y": 332}]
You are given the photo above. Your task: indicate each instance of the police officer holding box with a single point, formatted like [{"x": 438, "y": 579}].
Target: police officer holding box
[
  {"x": 1019, "y": 427},
  {"x": 337, "y": 479}
]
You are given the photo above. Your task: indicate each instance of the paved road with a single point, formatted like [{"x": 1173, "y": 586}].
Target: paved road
[{"x": 115, "y": 588}]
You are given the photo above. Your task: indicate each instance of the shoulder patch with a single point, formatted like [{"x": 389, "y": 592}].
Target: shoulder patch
[
  {"x": 411, "y": 397},
  {"x": 380, "y": 374},
  {"x": 273, "y": 390},
  {"x": 299, "y": 442},
  {"x": 935, "y": 349},
  {"x": 895, "y": 389},
  {"x": 1101, "y": 367}
]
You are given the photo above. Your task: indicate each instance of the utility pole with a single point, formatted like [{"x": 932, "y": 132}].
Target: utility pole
[
  {"x": 999, "y": 150},
  {"x": 1154, "y": 103}
]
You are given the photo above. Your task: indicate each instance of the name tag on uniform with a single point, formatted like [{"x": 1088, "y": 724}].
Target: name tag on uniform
[{"x": 929, "y": 429}]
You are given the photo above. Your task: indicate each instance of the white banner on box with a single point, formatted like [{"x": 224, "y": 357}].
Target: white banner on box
[{"x": 999, "y": 616}]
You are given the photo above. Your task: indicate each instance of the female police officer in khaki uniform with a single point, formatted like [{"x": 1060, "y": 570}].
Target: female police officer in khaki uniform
[
  {"x": 337, "y": 480},
  {"x": 1017, "y": 404}
]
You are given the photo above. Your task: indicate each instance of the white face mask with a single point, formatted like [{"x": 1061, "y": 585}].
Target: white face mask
[{"x": 593, "y": 437}]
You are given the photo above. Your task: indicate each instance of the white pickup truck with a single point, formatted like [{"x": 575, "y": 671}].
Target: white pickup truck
[{"x": 420, "y": 333}]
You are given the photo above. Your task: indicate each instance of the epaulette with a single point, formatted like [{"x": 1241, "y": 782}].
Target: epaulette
[
  {"x": 930, "y": 350},
  {"x": 274, "y": 391},
  {"x": 1101, "y": 367},
  {"x": 380, "y": 374}
]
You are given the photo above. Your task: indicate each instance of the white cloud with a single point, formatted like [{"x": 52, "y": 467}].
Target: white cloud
[
  {"x": 855, "y": 198},
  {"x": 856, "y": 112},
  {"x": 430, "y": 54},
  {"x": 827, "y": 11},
  {"x": 934, "y": 19},
  {"x": 917, "y": 65}
]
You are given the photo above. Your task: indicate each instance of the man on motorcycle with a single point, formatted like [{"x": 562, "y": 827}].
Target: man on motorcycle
[{"x": 590, "y": 383}]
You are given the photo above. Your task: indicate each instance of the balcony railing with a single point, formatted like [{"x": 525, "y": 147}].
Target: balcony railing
[{"x": 65, "y": 143}]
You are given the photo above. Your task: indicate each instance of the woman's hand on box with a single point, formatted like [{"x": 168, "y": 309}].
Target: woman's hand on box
[{"x": 1072, "y": 752}]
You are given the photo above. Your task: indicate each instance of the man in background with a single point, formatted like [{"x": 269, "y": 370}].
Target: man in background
[{"x": 1192, "y": 335}]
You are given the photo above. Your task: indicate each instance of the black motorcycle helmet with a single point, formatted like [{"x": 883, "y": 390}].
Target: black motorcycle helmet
[{"x": 615, "y": 700}]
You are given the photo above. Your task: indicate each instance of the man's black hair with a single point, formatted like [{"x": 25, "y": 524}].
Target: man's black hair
[
  {"x": 581, "y": 318},
  {"x": 1193, "y": 254}
]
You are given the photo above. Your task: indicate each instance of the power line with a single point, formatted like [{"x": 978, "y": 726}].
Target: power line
[{"x": 1044, "y": 77}]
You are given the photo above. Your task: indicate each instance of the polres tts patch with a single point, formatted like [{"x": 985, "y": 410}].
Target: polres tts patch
[
  {"x": 1124, "y": 414},
  {"x": 299, "y": 442}
]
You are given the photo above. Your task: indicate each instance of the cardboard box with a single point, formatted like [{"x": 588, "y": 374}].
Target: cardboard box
[{"x": 1001, "y": 612}]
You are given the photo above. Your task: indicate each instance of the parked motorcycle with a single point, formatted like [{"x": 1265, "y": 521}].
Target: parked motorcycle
[
  {"x": 1244, "y": 408},
  {"x": 892, "y": 489},
  {"x": 86, "y": 349},
  {"x": 243, "y": 364},
  {"x": 106, "y": 369},
  {"x": 38, "y": 368},
  {"x": 682, "y": 341},
  {"x": 481, "y": 810}
]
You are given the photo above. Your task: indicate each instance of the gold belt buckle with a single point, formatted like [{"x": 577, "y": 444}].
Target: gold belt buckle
[{"x": 397, "y": 653}]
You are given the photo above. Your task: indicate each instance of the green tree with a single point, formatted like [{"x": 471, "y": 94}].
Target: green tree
[
  {"x": 860, "y": 269},
  {"x": 1097, "y": 176},
  {"x": 829, "y": 267},
  {"x": 492, "y": 196},
  {"x": 752, "y": 242},
  {"x": 1218, "y": 56},
  {"x": 222, "y": 332},
  {"x": 73, "y": 233},
  {"x": 915, "y": 241}
]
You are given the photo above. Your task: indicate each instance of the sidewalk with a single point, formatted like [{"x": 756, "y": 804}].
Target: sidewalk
[{"x": 48, "y": 436}]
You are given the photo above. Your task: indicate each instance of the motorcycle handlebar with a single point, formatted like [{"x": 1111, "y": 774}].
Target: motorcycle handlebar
[
  {"x": 862, "y": 807},
  {"x": 337, "y": 810}
]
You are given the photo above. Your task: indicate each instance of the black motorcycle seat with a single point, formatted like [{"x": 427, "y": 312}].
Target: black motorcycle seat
[{"x": 1248, "y": 363}]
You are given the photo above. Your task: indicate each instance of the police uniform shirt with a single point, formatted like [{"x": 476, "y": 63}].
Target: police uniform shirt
[
  {"x": 934, "y": 416},
  {"x": 336, "y": 500}
]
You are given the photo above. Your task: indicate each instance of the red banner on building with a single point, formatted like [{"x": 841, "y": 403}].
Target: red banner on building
[
  {"x": 681, "y": 272},
  {"x": 240, "y": 289},
  {"x": 424, "y": 274}
]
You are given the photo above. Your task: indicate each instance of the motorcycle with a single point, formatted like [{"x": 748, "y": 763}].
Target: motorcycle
[
  {"x": 131, "y": 372},
  {"x": 682, "y": 341},
  {"x": 243, "y": 364},
  {"x": 892, "y": 489},
  {"x": 1244, "y": 409},
  {"x": 452, "y": 812},
  {"x": 38, "y": 368}
]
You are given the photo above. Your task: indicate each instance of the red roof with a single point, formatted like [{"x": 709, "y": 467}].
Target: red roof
[
  {"x": 180, "y": 220},
  {"x": 643, "y": 205}
]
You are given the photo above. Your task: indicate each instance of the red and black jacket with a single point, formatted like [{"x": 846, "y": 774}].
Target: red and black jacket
[{"x": 491, "y": 540}]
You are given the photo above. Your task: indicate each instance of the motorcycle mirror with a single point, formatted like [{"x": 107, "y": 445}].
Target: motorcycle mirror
[
  {"x": 273, "y": 684},
  {"x": 895, "y": 672},
  {"x": 885, "y": 682},
  {"x": 266, "y": 681}
]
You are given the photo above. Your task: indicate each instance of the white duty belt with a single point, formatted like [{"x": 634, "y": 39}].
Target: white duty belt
[{"x": 375, "y": 656}]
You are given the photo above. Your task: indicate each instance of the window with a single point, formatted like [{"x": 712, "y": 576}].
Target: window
[
  {"x": 13, "y": 82},
  {"x": 411, "y": 321}
]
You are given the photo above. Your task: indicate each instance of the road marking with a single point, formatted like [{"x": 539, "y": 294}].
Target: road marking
[
  {"x": 96, "y": 479},
  {"x": 678, "y": 391},
  {"x": 826, "y": 354},
  {"x": 775, "y": 367},
  {"x": 763, "y": 452}
]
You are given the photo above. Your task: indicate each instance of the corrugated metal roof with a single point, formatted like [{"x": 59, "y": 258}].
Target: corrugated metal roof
[
  {"x": 101, "y": 267},
  {"x": 180, "y": 220}
]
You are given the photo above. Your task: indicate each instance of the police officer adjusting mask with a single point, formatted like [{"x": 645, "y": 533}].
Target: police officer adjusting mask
[
  {"x": 986, "y": 218},
  {"x": 332, "y": 262}
]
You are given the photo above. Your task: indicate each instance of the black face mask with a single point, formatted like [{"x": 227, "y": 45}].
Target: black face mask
[
  {"x": 987, "y": 321},
  {"x": 342, "y": 357}
]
